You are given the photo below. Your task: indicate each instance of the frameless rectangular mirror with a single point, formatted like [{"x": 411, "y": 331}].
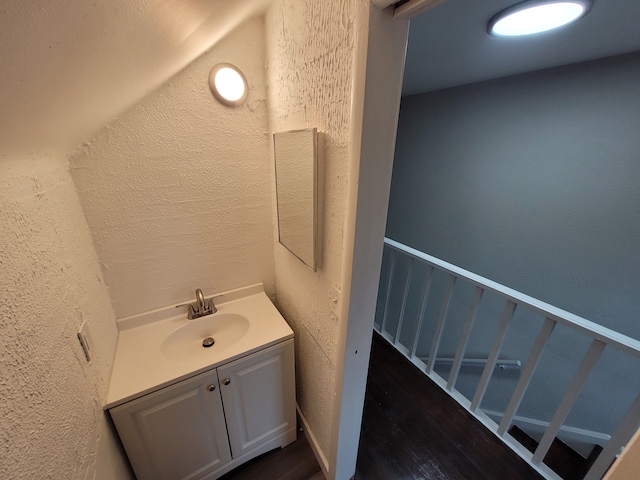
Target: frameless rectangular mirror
[{"x": 296, "y": 160}]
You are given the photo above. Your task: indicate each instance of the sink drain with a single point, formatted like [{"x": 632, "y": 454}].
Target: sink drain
[{"x": 208, "y": 342}]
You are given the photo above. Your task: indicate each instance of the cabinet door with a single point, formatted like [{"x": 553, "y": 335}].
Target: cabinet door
[
  {"x": 176, "y": 433},
  {"x": 258, "y": 393}
]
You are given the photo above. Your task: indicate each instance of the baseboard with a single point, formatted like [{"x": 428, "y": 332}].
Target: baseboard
[{"x": 315, "y": 447}]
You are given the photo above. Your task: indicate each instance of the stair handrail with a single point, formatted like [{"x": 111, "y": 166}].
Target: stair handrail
[
  {"x": 600, "y": 335},
  {"x": 597, "y": 331}
]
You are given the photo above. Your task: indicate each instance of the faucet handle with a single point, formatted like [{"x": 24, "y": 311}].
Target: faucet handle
[
  {"x": 192, "y": 313},
  {"x": 211, "y": 307}
]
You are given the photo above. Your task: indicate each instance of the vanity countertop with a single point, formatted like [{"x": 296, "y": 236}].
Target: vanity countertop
[{"x": 141, "y": 367}]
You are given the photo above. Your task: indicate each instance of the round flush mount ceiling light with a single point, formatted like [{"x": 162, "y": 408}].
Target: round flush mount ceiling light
[
  {"x": 536, "y": 16},
  {"x": 228, "y": 84}
]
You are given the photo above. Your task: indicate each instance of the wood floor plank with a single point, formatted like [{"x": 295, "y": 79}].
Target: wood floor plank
[
  {"x": 294, "y": 462},
  {"x": 318, "y": 476},
  {"x": 413, "y": 430}
]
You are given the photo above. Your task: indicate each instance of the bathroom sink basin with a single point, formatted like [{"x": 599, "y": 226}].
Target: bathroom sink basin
[
  {"x": 187, "y": 342},
  {"x": 159, "y": 348}
]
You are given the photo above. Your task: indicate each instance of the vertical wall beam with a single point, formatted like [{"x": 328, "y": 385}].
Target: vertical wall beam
[{"x": 378, "y": 62}]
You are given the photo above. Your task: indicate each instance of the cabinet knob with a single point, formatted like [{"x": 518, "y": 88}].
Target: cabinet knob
[
  {"x": 226, "y": 381},
  {"x": 211, "y": 388}
]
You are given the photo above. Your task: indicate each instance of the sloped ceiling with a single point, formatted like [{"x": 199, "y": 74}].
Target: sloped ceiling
[
  {"x": 449, "y": 46},
  {"x": 67, "y": 67}
]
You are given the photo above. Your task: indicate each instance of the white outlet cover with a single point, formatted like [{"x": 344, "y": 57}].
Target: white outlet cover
[
  {"x": 85, "y": 340},
  {"x": 334, "y": 298}
]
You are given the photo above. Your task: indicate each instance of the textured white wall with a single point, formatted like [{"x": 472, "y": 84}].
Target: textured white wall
[
  {"x": 178, "y": 191},
  {"x": 309, "y": 66},
  {"x": 51, "y": 419},
  {"x": 69, "y": 67}
]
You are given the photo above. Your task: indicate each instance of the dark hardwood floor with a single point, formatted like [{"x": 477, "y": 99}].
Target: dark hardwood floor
[
  {"x": 294, "y": 462},
  {"x": 411, "y": 429}
]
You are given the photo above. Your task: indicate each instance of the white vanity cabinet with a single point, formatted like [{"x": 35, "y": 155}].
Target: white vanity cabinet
[
  {"x": 206, "y": 425},
  {"x": 176, "y": 432},
  {"x": 258, "y": 393}
]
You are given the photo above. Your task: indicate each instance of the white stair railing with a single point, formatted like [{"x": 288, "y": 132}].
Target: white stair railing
[{"x": 601, "y": 338}]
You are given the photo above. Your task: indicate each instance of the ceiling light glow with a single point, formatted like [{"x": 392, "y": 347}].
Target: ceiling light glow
[
  {"x": 228, "y": 84},
  {"x": 533, "y": 16}
]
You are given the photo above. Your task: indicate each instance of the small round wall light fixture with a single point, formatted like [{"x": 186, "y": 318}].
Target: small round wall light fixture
[
  {"x": 228, "y": 84},
  {"x": 536, "y": 16}
]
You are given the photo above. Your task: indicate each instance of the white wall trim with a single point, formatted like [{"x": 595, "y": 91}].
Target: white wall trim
[
  {"x": 380, "y": 45},
  {"x": 313, "y": 442},
  {"x": 338, "y": 430},
  {"x": 383, "y": 3},
  {"x": 378, "y": 68},
  {"x": 413, "y": 8}
]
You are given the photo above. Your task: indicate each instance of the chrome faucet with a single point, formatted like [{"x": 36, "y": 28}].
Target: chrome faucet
[
  {"x": 202, "y": 307},
  {"x": 200, "y": 300}
]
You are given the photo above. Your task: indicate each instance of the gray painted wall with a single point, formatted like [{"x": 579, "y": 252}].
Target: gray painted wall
[{"x": 533, "y": 181}]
